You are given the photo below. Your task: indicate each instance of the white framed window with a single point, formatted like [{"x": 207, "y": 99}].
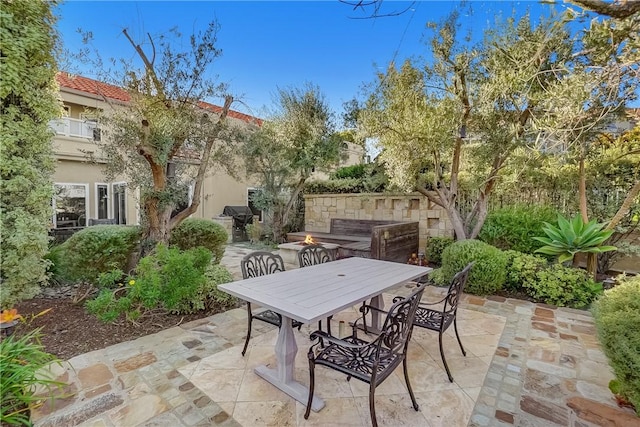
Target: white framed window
[
  {"x": 103, "y": 202},
  {"x": 119, "y": 206},
  {"x": 70, "y": 204},
  {"x": 250, "y": 193}
]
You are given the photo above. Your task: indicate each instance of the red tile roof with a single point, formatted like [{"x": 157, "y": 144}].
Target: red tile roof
[
  {"x": 235, "y": 114},
  {"x": 95, "y": 87}
]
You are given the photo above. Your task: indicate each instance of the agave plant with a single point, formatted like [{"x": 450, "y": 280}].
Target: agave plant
[{"x": 572, "y": 237}]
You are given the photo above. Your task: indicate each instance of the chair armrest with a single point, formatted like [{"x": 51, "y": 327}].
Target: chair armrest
[
  {"x": 364, "y": 309},
  {"x": 320, "y": 335},
  {"x": 433, "y": 303}
]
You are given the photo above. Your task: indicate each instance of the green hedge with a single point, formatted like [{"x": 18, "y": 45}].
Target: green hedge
[
  {"x": 94, "y": 250},
  {"x": 335, "y": 186},
  {"x": 514, "y": 227},
  {"x": 353, "y": 171},
  {"x": 522, "y": 268},
  {"x": 487, "y": 275},
  {"x": 562, "y": 286},
  {"x": 617, "y": 316},
  {"x": 195, "y": 232},
  {"x": 435, "y": 247}
]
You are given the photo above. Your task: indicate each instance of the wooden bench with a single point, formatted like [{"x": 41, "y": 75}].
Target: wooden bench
[{"x": 384, "y": 240}]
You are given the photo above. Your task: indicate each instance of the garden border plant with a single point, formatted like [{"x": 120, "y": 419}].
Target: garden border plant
[
  {"x": 24, "y": 381},
  {"x": 617, "y": 318}
]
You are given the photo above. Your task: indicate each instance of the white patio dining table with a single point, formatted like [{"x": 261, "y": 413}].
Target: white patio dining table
[{"x": 313, "y": 293}]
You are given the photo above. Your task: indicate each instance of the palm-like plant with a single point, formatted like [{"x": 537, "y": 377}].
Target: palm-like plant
[{"x": 574, "y": 236}]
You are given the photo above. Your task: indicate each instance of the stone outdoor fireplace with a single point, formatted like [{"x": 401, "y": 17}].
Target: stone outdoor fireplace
[{"x": 289, "y": 251}]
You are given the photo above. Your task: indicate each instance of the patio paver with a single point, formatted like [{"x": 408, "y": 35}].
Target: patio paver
[{"x": 527, "y": 365}]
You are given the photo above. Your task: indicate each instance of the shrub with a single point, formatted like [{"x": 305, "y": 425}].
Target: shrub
[
  {"x": 522, "y": 268},
  {"x": 98, "y": 249},
  {"x": 22, "y": 371},
  {"x": 435, "y": 247},
  {"x": 436, "y": 277},
  {"x": 217, "y": 275},
  {"x": 168, "y": 279},
  {"x": 55, "y": 271},
  {"x": 254, "y": 231},
  {"x": 28, "y": 97},
  {"x": 354, "y": 171},
  {"x": 514, "y": 227},
  {"x": 487, "y": 275},
  {"x": 336, "y": 186},
  {"x": 194, "y": 232},
  {"x": 562, "y": 286},
  {"x": 617, "y": 317}
]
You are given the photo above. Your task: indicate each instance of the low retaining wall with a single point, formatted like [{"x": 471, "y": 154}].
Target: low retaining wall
[{"x": 433, "y": 220}]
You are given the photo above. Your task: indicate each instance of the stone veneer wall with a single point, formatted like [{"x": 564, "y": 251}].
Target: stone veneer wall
[{"x": 320, "y": 208}]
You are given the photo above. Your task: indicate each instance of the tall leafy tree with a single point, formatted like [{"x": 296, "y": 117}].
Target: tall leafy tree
[
  {"x": 455, "y": 121},
  {"x": 590, "y": 92},
  {"x": 297, "y": 140},
  {"x": 28, "y": 44},
  {"x": 166, "y": 138}
]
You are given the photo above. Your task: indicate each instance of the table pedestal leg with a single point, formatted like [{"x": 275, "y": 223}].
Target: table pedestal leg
[
  {"x": 283, "y": 375},
  {"x": 377, "y": 302},
  {"x": 374, "y": 327}
]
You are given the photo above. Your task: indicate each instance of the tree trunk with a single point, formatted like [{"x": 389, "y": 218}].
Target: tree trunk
[
  {"x": 582, "y": 191},
  {"x": 626, "y": 205}
]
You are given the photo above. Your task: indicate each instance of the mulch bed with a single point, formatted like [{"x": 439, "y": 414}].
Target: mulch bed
[{"x": 69, "y": 330}]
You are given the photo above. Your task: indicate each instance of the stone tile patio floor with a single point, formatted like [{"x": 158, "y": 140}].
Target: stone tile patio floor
[{"x": 527, "y": 365}]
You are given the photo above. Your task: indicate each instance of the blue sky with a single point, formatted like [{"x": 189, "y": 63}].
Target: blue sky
[{"x": 268, "y": 44}]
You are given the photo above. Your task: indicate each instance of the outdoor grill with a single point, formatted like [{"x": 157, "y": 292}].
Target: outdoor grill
[{"x": 242, "y": 215}]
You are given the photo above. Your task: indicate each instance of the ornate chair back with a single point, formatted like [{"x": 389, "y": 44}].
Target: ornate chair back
[
  {"x": 314, "y": 254},
  {"x": 261, "y": 263},
  {"x": 455, "y": 291},
  {"x": 397, "y": 327}
]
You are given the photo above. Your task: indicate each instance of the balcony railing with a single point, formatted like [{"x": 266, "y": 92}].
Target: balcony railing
[{"x": 76, "y": 128}]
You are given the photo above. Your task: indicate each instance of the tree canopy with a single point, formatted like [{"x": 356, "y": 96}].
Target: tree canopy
[
  {"x": 297, "y": 140},
  {"x": 166, "y": 137},
  {"x": 454, "y": 121}
]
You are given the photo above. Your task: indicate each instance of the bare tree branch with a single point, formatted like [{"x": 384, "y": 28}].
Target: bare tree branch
[
  {"x": 375, "y": 6},
  {"x": 618, "y": 9}
]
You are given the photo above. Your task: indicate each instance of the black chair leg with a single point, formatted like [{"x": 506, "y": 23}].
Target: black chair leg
[
  {"x": 455, "y": 327},
  {"x": 246, "y": 341},
  {"x": 311, "y": 386},
  {"x": 372, "y": 404},
  {"x": 406, "y": 379},
  {"x": 444, "y": 361}
]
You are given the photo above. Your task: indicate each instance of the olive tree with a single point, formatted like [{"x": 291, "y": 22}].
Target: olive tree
[
  {"x": 166, "y": 137},
  {"x": 298, "y": 139},
  {"x": 456, "y": 120}
]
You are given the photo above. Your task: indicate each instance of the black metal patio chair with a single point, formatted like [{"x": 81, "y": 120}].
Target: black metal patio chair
[
  {"x": 440, "y": 320},
  {"x": 257, "y": 264},
  {"x": 312, "y": 255},
  {"x": 371, "y": 362}
]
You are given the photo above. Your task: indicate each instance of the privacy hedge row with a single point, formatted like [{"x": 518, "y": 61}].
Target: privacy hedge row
[
  {"x": 514, "y": 227},
  {"x": 617, "y": 316}
]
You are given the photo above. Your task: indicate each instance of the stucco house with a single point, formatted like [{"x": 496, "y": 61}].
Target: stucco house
[{"x": 83, "y": 194}]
